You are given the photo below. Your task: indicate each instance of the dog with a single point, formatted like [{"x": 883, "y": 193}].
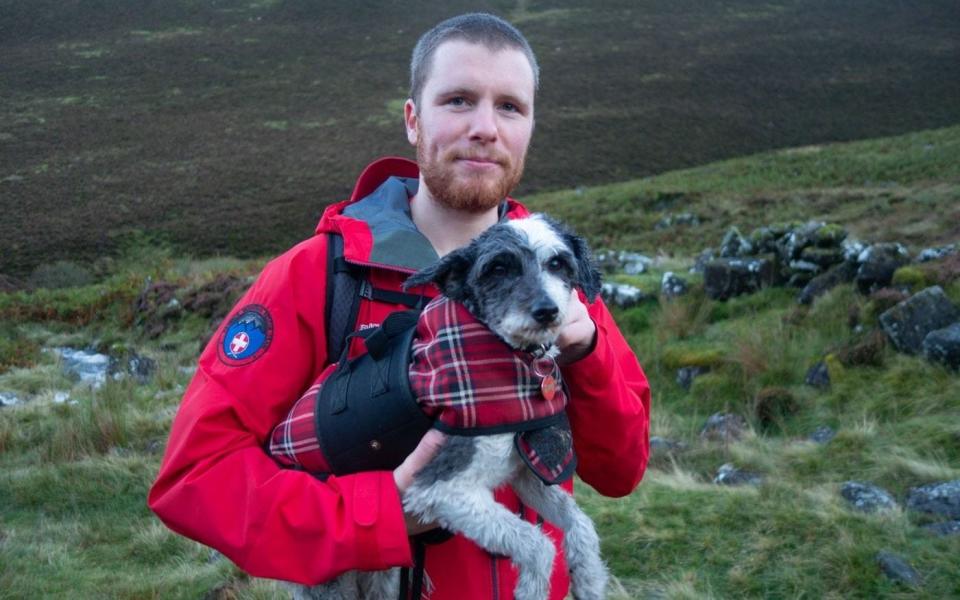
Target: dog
[{"x": 515, "y": 279}]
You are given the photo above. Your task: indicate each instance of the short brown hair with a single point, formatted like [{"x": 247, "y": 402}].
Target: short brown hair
[{"x": 478, "y": 28}]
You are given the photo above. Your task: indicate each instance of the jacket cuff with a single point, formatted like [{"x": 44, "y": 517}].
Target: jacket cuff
[
  {"x": 380, "y": 525},
  {"x": 591, "y": 371}
]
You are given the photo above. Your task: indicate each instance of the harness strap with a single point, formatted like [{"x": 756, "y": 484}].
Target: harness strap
[{"x": 347, "y": 284}]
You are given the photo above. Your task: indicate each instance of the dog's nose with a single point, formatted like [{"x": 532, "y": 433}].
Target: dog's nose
[{"x": 545, "y": 312}]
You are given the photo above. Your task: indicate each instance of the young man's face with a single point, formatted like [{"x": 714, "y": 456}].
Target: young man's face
[{"x": 473, "y": 125}]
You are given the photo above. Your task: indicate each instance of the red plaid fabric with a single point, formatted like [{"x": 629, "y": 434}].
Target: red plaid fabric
[
  {"x": 294, "y": 443},
  {"x": 471, "y": 381}
]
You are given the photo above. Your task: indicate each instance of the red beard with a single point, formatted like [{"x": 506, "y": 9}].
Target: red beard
[{"x": 476, "y": 193}]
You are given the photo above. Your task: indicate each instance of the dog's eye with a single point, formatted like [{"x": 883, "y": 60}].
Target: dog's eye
[
  {"x": 498, "y": 270},
  {"x": 556, "y": 264}
]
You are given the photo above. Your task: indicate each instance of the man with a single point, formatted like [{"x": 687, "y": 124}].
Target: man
[{"x": 470, "y": 116}]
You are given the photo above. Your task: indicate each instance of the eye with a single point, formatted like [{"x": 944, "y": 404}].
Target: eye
[
  {"x": 510, "y": 107},
  {"x": 457, "y": 101},
  {"x": 499, "y": 270},
  {"x": 556, "y": 264}
]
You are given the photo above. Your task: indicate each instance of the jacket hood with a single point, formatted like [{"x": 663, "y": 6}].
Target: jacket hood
[{"x": 376, "y": 224}]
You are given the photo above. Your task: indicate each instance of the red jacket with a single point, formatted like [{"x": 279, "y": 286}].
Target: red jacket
[{"x": 218, "y": 486}]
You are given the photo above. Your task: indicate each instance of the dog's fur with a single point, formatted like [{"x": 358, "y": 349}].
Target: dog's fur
[{"x": 515, "y": 278}]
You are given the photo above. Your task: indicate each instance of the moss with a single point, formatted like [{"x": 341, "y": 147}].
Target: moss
[
  {"x": 911, "y": 277},
  {"x": 676, "y": 358},
  {"x": 831, "y": 234}
]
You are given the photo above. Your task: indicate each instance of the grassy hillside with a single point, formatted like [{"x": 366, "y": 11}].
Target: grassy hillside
[
  {"x": 74, "y": 474},
  {"x": 225, "y": 127}
]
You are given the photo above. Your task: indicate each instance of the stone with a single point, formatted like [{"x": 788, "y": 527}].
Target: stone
[
  {"x": 672, "y": 286},
  {"x": 141, "y": 368},
  {"x": 818, "y": 376},
  {"x": 823, "y": 434},
  {"x": 730, "y": 475},
  {"x": 725, "y": 278},
  {"x": 822, "y": 257},
  {"x": 897, "y": 569},
  {"x": 634, "y": 264},
  {"x": 877, "y": 265},
  {"x": 943, "y": 528},
  {"x": 936, "y": 498},
  {"x": 867, "y": 497},
  {"x": 734, "y": 244},
  {"x": 622, "y": 295},
  {"x": 821, "y": 284},
  {"x": 686, "y": 375},
  {"x": 88, "y": 367},
  {"x": 909, "y": 322},
  {"x": 659, "y": 444},
  {"x": 700, "y": 263},
  {"x": 943, "y": 346},
  {"x": 928, "y": 254},
  {"x": 724, "y": 427},
  {"x": 8, "y": 399}
]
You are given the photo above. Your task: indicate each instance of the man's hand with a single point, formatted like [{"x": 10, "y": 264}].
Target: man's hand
[
  {"x": 578, "y": 334},
  {"x": 404, "y": 474}
]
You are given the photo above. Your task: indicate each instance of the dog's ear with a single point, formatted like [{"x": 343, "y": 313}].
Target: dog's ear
[
  {"x": 588, "y": 276},
  {"x": 449, "y": 274}
]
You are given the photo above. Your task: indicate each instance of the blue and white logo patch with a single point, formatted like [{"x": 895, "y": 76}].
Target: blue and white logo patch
[{"x": 247, "y": 336}]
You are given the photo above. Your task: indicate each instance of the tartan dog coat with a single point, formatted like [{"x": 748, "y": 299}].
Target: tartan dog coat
[{"x": 468, "y": 381}]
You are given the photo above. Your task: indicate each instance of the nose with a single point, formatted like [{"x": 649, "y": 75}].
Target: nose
[
  {"x": 545, "y": 311},
  {"x": 483, "y": 126}
]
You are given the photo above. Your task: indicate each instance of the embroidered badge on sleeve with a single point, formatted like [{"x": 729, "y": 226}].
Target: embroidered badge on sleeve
[{"x": 246, "y": 337}]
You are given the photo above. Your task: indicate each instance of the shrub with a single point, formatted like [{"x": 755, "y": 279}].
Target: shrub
[{"x": 61, "y": 274}]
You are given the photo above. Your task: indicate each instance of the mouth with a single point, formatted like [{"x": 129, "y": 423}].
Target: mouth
[{"x": 480, "y": 162}]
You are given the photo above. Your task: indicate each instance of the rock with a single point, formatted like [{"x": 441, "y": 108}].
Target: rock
[
  {"x": 63, "y": 398},
  {"x": 943, "y": 346},
  {"x": 672, "y": 286},
  {"x": 823, "y": 435},
  {"x": 622, "y": 295},
  {"x": 141, "y": 368},
  {"x": 88, "y": 367},
  {"x": 730, "y": 475},
  {"x": 909, "y": 322},
  {"x": 686, "y": 218},
  {"x": 944, "y": 528},
  {"x": 829, "y": 235},
  {"x": 8, "y": 399},
  {"x": 818, "y": 376},
  {"x": 659, "y": 444},
  {"x": 634, "y": 264},
  {"x": 822, "y": 257},
  {"x": 867, "y": 497},
  {"x": 734, "y": 244},
  {"x": 897, "y": 569},
  {"x": 700, "y": 264},
  {"x": 936, "y": 498},
  {"x": 725, "y": 278},
  {"x": 852, "y": 250},
  {"x": 214, "y": 299},
  {"x": 928, "y": 254},
  {"x": 686, "y": 375},
  {"x": 724, "y": 427},
  {"x": 877, "y": 265},
  {"x": 155, "y": 307}
]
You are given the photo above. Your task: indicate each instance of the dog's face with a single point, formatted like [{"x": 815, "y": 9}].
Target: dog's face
[{"x": 516, "y": 278}]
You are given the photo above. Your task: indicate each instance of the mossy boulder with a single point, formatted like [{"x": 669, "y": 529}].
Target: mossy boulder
[
  {"x": 677, "y": 358},
  {"x": 912, "y": 277}
]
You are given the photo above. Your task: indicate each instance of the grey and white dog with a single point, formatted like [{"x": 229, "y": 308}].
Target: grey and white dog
[{"x": 516, "y": 278}]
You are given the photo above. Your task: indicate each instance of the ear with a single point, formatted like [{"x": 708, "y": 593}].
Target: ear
[
  {"x": 449, "y": 274},
  {"x": 588, "y": 276},
  {"x": 411, "y": 121}
]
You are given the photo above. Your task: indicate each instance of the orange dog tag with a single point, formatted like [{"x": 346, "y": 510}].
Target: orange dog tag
[{"x": 548, "y": 387}]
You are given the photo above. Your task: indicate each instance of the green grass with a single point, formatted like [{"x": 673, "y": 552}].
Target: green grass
[{"x": 74, "y": 476}]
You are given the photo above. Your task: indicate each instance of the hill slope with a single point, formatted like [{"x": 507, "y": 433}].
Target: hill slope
[{"x": 226, "y": 127}]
